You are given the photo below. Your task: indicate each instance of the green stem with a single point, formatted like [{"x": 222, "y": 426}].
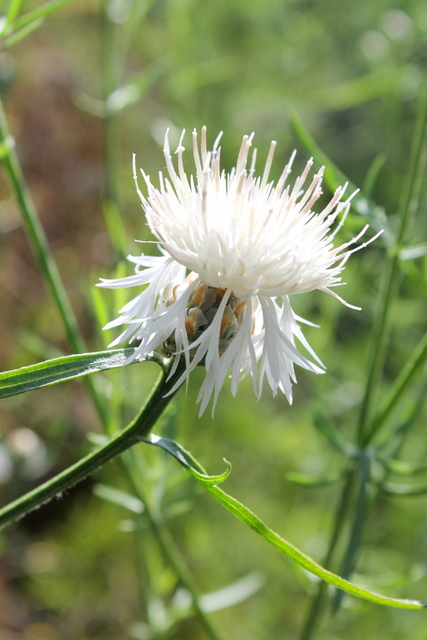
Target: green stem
[
  {"x": 172, "y": 553},
  {"x": 109, "y": 70},
  {"x": 177, "y": 561},
  {"x": 415, "y": 362},
  {"x": 123, "y": 440},
  {"x": 42, "y": 252},
  {"x": 357, "y": 528},
  {"x": 316, "y": 607},
  {"x": 407, "y": 207}
]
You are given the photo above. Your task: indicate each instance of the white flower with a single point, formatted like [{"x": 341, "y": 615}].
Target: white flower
[{"x": 235, "y": 247}]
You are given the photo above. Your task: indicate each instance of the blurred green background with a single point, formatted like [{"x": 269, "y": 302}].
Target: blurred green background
[{"x": 353, "y": 73}]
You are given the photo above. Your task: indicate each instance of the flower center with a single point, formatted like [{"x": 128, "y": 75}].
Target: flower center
[{"x": 200, "y": 312}]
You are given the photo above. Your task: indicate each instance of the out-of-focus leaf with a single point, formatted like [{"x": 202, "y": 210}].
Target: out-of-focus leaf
[
  {"x": 395, "y": 579},
  {"x": 122, "y": 498},
  {"x": 233, "y": 594},
  {"x": 333, "y": 436},
  {"x": 357, "y": 91},
  {"x": 416, "y": 251},
  {"x": 39, "y": 12},
  {"x": 402, "y": 468},
  {"x": 139, "y": 631},
  {"x": 402, "y": 491},
  {"x": 239, "y": 591},
  {"x": 176, "y": 509},
  {"x": 66, "y": 368},
  {"x": 13, "y": 10},
  {"x": 20, "y": 34},
  {"x": 137, "y": 524},
  {"x": 39, "y": 347},
  {"x": 138, "y": 86},
  {"x": 251, "y": 520},
  {"x": 116, "y": 228},
  {"x": 14, "y": 28},
  {"x": 372, "y": 175},
  {"x": 4, "y": 147},
  {"x": 321, "y": 481},
  {"x": 123, "y": 96}
]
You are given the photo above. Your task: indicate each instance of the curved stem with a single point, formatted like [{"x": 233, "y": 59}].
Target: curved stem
[{"x": 130, "y": 435}]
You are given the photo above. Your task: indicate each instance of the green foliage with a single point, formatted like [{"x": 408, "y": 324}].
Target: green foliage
[
  {"x": 252, "y": 521},
  {"x": 334, "y": 471},
  {"x": 60, "y": 369}
]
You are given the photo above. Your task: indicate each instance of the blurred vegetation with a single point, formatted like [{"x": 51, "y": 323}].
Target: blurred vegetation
[{"x": 93, "y": 83}]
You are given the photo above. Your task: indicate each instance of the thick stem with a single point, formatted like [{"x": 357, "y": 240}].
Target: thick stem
[{"x": 138, "y": 428}]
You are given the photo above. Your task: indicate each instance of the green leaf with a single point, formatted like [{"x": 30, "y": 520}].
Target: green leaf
[
  {"x": 5, "y": 147},
  {"x": 414, "y": 251},
  {"x": 116, "y": 496},
  {"x": 232, "y": 594},
  {"x": 134, "y": 90},
  {"x": 401, "y": 491},
  {"x": 314, "y": 481},
  {"x": 20, "y": 34},
  {"x": 39, "y": 12},
  {"x": 333, "y": 436},
  {"x": 13, "y": 10},
  {"x": 372, "y": 175},
  {"x": 16, "y": 28},
  {"x": 66, "y": 368},
  {"x": 251, "y": 520},
  {"x": 402, "y": 468}
]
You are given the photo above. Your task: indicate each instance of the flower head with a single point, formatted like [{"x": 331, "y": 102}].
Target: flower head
[{"x": 234, "y": 248}]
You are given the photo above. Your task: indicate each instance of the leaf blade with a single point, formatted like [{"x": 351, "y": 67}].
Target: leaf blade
[
  {"x": 293, "y": 553},
  {"x": 57, "y": 370}
]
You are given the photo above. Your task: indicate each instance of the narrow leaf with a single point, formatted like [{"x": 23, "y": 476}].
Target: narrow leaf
[
  {"x": 13, "y": 10},
  {"x": 372, "y": 175},
  {"x": 39, "y": 12},
  {"x": 116, "y": 496},
  {"x": 251, "y": 520},
  {"x": 416, "y": 251},
  {"x": 402, "y": 468},
  {"x": 232, "y": 594},
  {"x": 317, "y": 481},
  {"x": 66, "y": 368},
  {"x": 20, "y": 34},
  {"x": 333, "y": 436},
  {"x": 401, "y": 491}
]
